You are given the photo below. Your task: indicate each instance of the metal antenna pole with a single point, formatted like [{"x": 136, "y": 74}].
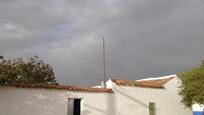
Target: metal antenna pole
[{"x": 104, "y": 64}]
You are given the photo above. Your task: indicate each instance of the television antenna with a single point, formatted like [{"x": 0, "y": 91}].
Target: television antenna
[{"x": 104, "y": 63}]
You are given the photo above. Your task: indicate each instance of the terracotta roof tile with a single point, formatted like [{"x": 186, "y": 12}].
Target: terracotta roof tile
[
  {"x": 157, "y": 83},
  {"x": 63, "y": 87}
]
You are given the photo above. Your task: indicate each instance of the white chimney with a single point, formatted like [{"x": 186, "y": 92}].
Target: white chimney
[{"x": 102, "y": 84}]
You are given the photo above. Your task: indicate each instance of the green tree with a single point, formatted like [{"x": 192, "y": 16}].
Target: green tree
[
  {"x": 32, "y": 70},
  {"x": 192, "y": 86}
]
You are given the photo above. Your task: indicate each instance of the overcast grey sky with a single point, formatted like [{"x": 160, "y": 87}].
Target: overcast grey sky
[{"x": 144, "y": 38}]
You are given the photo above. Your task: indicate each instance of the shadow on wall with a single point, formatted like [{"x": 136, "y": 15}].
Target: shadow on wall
[
  {"x": 94, "y": 108},
  {"x": 110, "y": 104},
  {"x": 86, "y": 112},
  {"x": 132, "y": 98}
]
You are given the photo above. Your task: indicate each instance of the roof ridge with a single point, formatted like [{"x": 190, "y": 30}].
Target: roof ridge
[
  {"x": 60, "y": 87},
  {"x": 153, "y": 83},
  {"x": 157, "y": 78},
  {"x": 161, "y": 81}
]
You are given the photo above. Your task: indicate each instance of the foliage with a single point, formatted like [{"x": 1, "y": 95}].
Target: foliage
[
  {"x": 20, "y": 71},
  {"x": 192, "y": 87}
]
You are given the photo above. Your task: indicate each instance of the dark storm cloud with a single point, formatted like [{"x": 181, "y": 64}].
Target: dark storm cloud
[{"x": 144, "y": 38}]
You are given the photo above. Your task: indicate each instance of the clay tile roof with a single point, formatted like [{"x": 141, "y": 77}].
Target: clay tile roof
[
  {"x": 62, "y": 87},
  {"x": 156, "y": 83}
]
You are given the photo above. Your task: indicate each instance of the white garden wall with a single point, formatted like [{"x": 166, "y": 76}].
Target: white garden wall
[
  {"x": 28, "y": 101},
  {"x": 125, "y": 100},
  {"x": 135, "y": 100}
]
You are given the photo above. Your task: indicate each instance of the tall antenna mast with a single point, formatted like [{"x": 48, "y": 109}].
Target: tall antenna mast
[{"x": 104, "y": 64}]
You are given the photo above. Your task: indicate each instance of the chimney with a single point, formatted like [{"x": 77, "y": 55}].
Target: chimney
[{"x": 102, "y": 83}]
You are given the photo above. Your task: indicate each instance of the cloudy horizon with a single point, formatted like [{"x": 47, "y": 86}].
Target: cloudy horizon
[{"x": 144, "y": 38}]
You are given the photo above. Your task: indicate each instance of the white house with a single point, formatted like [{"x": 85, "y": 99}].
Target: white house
[
  {"x": 198, "y": 109},
  {"x": 158, "y": 96}
]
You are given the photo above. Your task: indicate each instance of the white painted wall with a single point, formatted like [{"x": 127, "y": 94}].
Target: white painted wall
[
  {"x": 125, "y": 101},
  {"x": 26, "y": 101},
  {"x": 197, "y": 107},
  {"x": 135, "y": 100}
]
